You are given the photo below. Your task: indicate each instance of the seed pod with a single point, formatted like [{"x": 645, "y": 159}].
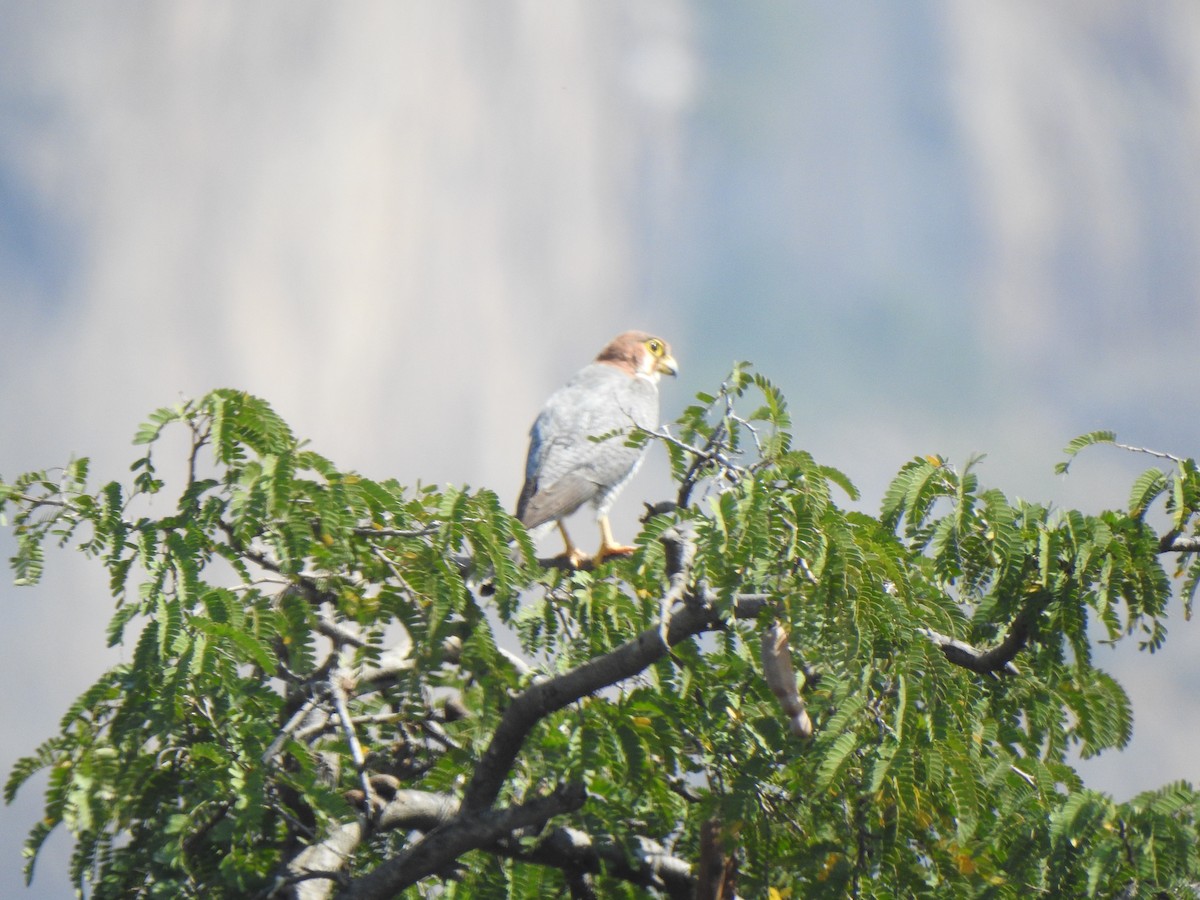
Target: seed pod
[{"x": 781, "y": 679}]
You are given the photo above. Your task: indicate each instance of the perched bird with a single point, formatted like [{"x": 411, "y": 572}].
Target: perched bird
[{"x": 567, "y": 467}]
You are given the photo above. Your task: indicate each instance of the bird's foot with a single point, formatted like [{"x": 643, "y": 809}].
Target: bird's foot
[
  {"x": 607, "y": 550},
  {"x": 575, "y": 558}
]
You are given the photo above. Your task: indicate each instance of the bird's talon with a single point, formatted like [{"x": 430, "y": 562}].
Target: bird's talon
[
  {"x": 613, "y": 550},
  {"x": 577, "y": 559}
]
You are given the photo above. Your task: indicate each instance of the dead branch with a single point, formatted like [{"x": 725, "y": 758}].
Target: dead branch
[
  {"x": 319, "y": 870},
  {"x": 467, "y": 831},
  {"x": 1174, "y": 542},
  {"x": 984, "y": 662},
  {"x": 781, "y": 679},
  {"x": 571, "y": 849}
]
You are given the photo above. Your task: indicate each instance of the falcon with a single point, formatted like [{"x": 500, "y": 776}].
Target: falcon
[{"x": 567, "y": 466}]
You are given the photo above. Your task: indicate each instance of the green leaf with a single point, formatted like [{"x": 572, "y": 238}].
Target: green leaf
[
  {"x": 1146, "y": 489},
  {"x": 1079, "y": 443},
  {"x": 149, "y": 431},
  {"x": 835, "y": 758},
  {"x": 240, "y": 645},
  {"x": 24, "y": 768}
]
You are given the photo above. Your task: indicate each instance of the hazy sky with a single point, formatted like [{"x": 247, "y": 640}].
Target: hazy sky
[{"x": 940, "y": 226}]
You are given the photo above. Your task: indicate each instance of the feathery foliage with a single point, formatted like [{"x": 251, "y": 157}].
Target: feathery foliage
[{"x": 318, "y": 657}]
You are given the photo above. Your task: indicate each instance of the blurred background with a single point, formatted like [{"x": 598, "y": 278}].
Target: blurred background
[{"x": 941, "y": 226}]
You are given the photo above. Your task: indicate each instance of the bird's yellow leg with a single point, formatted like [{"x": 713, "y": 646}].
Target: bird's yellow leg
[
  {"x": 575, "y": 557},
  {"x": 609, "y": 547}
]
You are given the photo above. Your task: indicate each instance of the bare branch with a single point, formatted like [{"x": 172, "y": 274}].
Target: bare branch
[
  {"x": 984, "y": 662},
  {"x": 417, "y": 811},
  {"x": 368, "y": 531},
  {"x": 292, "y": 726},
  {"x": 466, "y": 831},
  {"x": 522, "y": 668},
  {"x": 318, "y": 870},
  {"x": 580, "y": 886},
  {"x": 1024, "y": 776},
  {"x": 999, "y": 658},
  {"x": 717, "y": 869},
  {"x": 575, "y": 850},
  {"x": 336, "y": 633},
  {"x": 781, "y": 679},
  {"x": 680, "y": 552},
  {"x": 315, "y": 871},
  {"x": 1174, "y": 542},
  {"x": 338, "y": 683},
  {"x": 454, "y": 828},
  {"x": 1155, "y": 453}
]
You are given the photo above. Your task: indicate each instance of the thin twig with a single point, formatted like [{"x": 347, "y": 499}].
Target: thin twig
[
  {"x": 1155, "y": 453},
  {"x": 378, "y": 553},
  {"x": 34, "y": 502},
  {"x": 336, "y": 633},
  {"x": 1024, "y": 776},
  {"x": 704, "y": 454},
  {"x": 198, "y": 440},
  {"x": 370, "y": 531},
  {"x": 745, "y": 423},
  {"x": 337, "y": 687},
  {"x": 292, "y": 725},
  {"x": 700, "y": 456},
  {"x": 302, "y": 583}
]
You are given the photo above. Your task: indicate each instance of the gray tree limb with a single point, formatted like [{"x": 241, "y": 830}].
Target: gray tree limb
[
  {"x": 983, "y": 662},
  {"x": 440, "y": 847},
  {"x": 1174, "y": 542},
  {"x": 318, "y": 871},
  {"x": 575, "y": 850}
]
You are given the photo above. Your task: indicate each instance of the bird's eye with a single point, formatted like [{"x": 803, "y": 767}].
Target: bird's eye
[{"x": 654, "y": 345}]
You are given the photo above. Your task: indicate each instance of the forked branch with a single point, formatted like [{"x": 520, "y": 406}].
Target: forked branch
[{"x": 454, "y": 828}]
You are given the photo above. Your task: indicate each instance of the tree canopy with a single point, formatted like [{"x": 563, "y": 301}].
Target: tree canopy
[{"x": 344, "y": 687}]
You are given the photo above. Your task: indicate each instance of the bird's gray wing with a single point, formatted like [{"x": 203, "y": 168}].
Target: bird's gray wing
[
  {"x": 560, "y": 499},
  {"x": 565, "y": 467}
]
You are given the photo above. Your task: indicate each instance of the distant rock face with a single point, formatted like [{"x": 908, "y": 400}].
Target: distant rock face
[
  {"x": 1082, "y": 125},
  {"x": 342, "y": 208},
  {"x": 310, "y": 201},
  {"x": 1012, "y": 190}
]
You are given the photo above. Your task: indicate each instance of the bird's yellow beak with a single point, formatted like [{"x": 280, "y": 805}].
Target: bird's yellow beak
[{"x": 667, "y": 365}]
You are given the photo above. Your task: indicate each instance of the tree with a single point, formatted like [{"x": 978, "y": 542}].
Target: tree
[{"x": 318, "y": 704}]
